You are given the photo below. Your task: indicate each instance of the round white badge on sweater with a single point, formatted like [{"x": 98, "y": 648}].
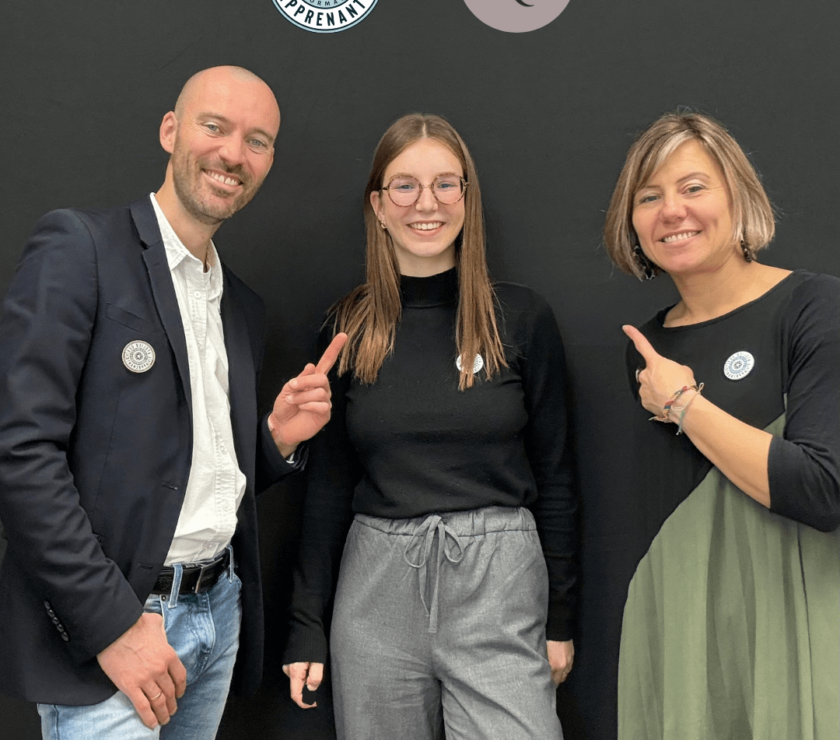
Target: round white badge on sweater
[
  {"x": 138, "y": 356},
  {"x": 739, "y": 365},
  {"x": 477, "y": 365}
]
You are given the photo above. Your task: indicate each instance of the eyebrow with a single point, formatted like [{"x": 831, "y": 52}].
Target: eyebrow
[
  {"x": 698, "y": 173},
  {"x": 225, "y": 119},
  {"x": 407, "y": 174}
]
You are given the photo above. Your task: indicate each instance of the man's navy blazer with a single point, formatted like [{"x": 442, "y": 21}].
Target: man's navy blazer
[{"x": 95, "y": 458}]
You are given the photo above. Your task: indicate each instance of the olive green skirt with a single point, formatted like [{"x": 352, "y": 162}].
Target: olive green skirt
[{"x": 731, "y": 628}]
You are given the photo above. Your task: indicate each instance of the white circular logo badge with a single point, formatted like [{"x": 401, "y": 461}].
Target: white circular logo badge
[
  {"x": 516, "y": 16},
  {"x": 325, "y": 16},
  {"x": 477, "y": 365},
  {"x": 138, "y": 356},
  {"x": 739, "y": 366}
]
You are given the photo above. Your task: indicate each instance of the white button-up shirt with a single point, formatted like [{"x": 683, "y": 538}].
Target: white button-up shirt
[{"x": 216, "y": 484}]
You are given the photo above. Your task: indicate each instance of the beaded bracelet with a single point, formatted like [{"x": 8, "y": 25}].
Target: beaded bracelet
[
  {"x": 670, "y": 402},
  {"x": 684, "y": 409}
]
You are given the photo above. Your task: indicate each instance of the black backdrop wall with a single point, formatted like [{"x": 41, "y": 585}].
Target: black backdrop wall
[{"x": 548, "y": 115}]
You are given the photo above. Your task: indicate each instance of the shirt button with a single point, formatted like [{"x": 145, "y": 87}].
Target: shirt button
[{"x": 197, "y": 294}]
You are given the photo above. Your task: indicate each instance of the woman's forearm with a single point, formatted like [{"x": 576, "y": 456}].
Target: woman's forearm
[{"x": 738, "y": 450}]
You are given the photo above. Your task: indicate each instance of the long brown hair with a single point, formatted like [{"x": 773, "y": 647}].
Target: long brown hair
[{"x": 370, "y": 313}]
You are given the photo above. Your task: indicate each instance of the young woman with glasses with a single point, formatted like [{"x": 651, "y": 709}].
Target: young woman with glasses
[{"x": 442, "y": 476}]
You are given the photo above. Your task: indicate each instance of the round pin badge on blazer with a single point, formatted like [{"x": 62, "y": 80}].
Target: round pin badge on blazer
[{"x": 138, "y": 356}]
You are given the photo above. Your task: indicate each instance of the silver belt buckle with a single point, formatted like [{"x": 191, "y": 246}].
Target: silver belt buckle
[{"x": 204, "y": 569}]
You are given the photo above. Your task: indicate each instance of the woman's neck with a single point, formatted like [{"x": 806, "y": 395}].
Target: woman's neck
[{"x": 710, "y": 295}]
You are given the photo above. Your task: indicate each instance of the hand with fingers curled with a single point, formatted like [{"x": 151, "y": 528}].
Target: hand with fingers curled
[
  {"x": 561, "y": 657},
  {"x": 303, "y": 405},
  {"x": 300, "y": 675},
  {"x": 143, "y": 665},
  {"x": 661, "y": 379}
]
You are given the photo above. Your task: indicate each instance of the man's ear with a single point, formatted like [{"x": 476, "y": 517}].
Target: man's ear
[{"x": 168, "y": 132}]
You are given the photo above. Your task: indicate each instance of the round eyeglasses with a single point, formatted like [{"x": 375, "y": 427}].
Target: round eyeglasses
[{"x": 405, "y": 191}]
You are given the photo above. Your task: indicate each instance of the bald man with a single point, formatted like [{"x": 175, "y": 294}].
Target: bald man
[{"x": 130, "y": 444}]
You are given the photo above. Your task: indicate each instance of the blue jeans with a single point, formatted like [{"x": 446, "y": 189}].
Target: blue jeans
[{"x": 203, "y": 629}]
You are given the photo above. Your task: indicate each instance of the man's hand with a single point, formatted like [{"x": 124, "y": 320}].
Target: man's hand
[
  {"x": 146, "y": 669},
  {"x": 561, "y": 655},
  {"x": 300, "y": 674},
  {"x": 303, "y": 406}
]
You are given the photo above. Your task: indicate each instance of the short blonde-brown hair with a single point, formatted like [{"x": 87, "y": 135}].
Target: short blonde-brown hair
[{"x": 752, "y": 215}]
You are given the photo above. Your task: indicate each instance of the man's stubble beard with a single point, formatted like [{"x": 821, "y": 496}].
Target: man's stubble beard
[{"x": 187, "y": 177}]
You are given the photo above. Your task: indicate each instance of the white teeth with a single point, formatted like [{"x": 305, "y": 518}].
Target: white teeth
[
  {"x": 426, "y": 227},
  {"x": 222, "y": 178},
  {"x": 678, "y": 237}
]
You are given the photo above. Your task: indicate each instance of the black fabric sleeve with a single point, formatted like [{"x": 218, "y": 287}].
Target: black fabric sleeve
[
  {"x": 549, "y": 454},
  {"x": 271, "y": 466},
  {"x": 45, "y": 335},
  {"x": 332, "y": 474},
  {"x": 804, "y": 466}
]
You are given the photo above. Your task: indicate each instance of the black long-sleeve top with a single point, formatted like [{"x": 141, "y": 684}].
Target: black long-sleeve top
[
  {"x": 792, "y": 332},
  {"x": 411, "y": 444}
]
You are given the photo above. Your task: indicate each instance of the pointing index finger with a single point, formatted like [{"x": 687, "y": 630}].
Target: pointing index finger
[
  {"x": 331, "y": 353},
  {"x": 643, "y": 346}
]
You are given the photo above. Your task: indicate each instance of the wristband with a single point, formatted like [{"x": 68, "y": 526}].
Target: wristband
[
  {"x": 684, "y": 409},
  {"x": 663, "y": 417}
]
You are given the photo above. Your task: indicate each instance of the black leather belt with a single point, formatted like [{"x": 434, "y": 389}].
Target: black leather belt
[{"x": 195, "y": 579}]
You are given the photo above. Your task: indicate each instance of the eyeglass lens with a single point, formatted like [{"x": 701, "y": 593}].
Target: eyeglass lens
[{"x": 405, "y": 191}]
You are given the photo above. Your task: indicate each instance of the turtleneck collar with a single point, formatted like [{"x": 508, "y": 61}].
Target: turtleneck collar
[{"x": 435, "y": 290}]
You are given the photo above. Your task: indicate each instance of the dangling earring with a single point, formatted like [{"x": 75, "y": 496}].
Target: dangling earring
[
  {"x": 644, "y": 264},
  {"x": 748, "y": 255}
]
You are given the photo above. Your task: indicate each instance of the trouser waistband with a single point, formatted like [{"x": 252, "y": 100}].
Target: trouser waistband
[{"x": 195, "y": 579}]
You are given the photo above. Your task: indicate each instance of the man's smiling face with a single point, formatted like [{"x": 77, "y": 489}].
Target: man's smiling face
[{"x": 222, "y": 143}]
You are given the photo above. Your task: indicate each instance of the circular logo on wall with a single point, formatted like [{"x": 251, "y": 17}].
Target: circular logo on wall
[
  {"x": 325, "y": 16},
  {"x": 516, "y": 16}
]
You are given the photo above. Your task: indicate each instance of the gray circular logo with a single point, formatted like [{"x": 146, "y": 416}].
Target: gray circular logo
[
  {"x": 477, "y": 365},
  {"x": 325, "y": 16},
  {"x": 739, "y": 365},
  {"x": 138, "y": 356},
  {"x": 516, "y": 16}
]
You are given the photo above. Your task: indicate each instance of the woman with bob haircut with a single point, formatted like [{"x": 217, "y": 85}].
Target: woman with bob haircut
[
  {"x": 731, "y": 627},
  {"x": 442, "y": 476}
]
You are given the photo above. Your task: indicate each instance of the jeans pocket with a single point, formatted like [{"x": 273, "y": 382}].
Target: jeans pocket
[
  {"x": 153, "y": 605},
  {"x": 235, "y": 580}
]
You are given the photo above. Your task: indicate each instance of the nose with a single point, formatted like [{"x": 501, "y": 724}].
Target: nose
[
  {"x": 673, "y": 208},
  {"x": 427, "y": 200},
  {"x": 232, "y": 150}
]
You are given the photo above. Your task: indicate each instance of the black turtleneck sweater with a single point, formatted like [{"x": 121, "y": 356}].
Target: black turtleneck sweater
[{"x": 412, "y": 444}]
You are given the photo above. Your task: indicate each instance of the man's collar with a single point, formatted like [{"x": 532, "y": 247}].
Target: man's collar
[{"x": 176, "y": 252}]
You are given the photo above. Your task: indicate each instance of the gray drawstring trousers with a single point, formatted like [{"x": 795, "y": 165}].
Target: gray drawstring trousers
[{"x": 439, "y": 624}]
